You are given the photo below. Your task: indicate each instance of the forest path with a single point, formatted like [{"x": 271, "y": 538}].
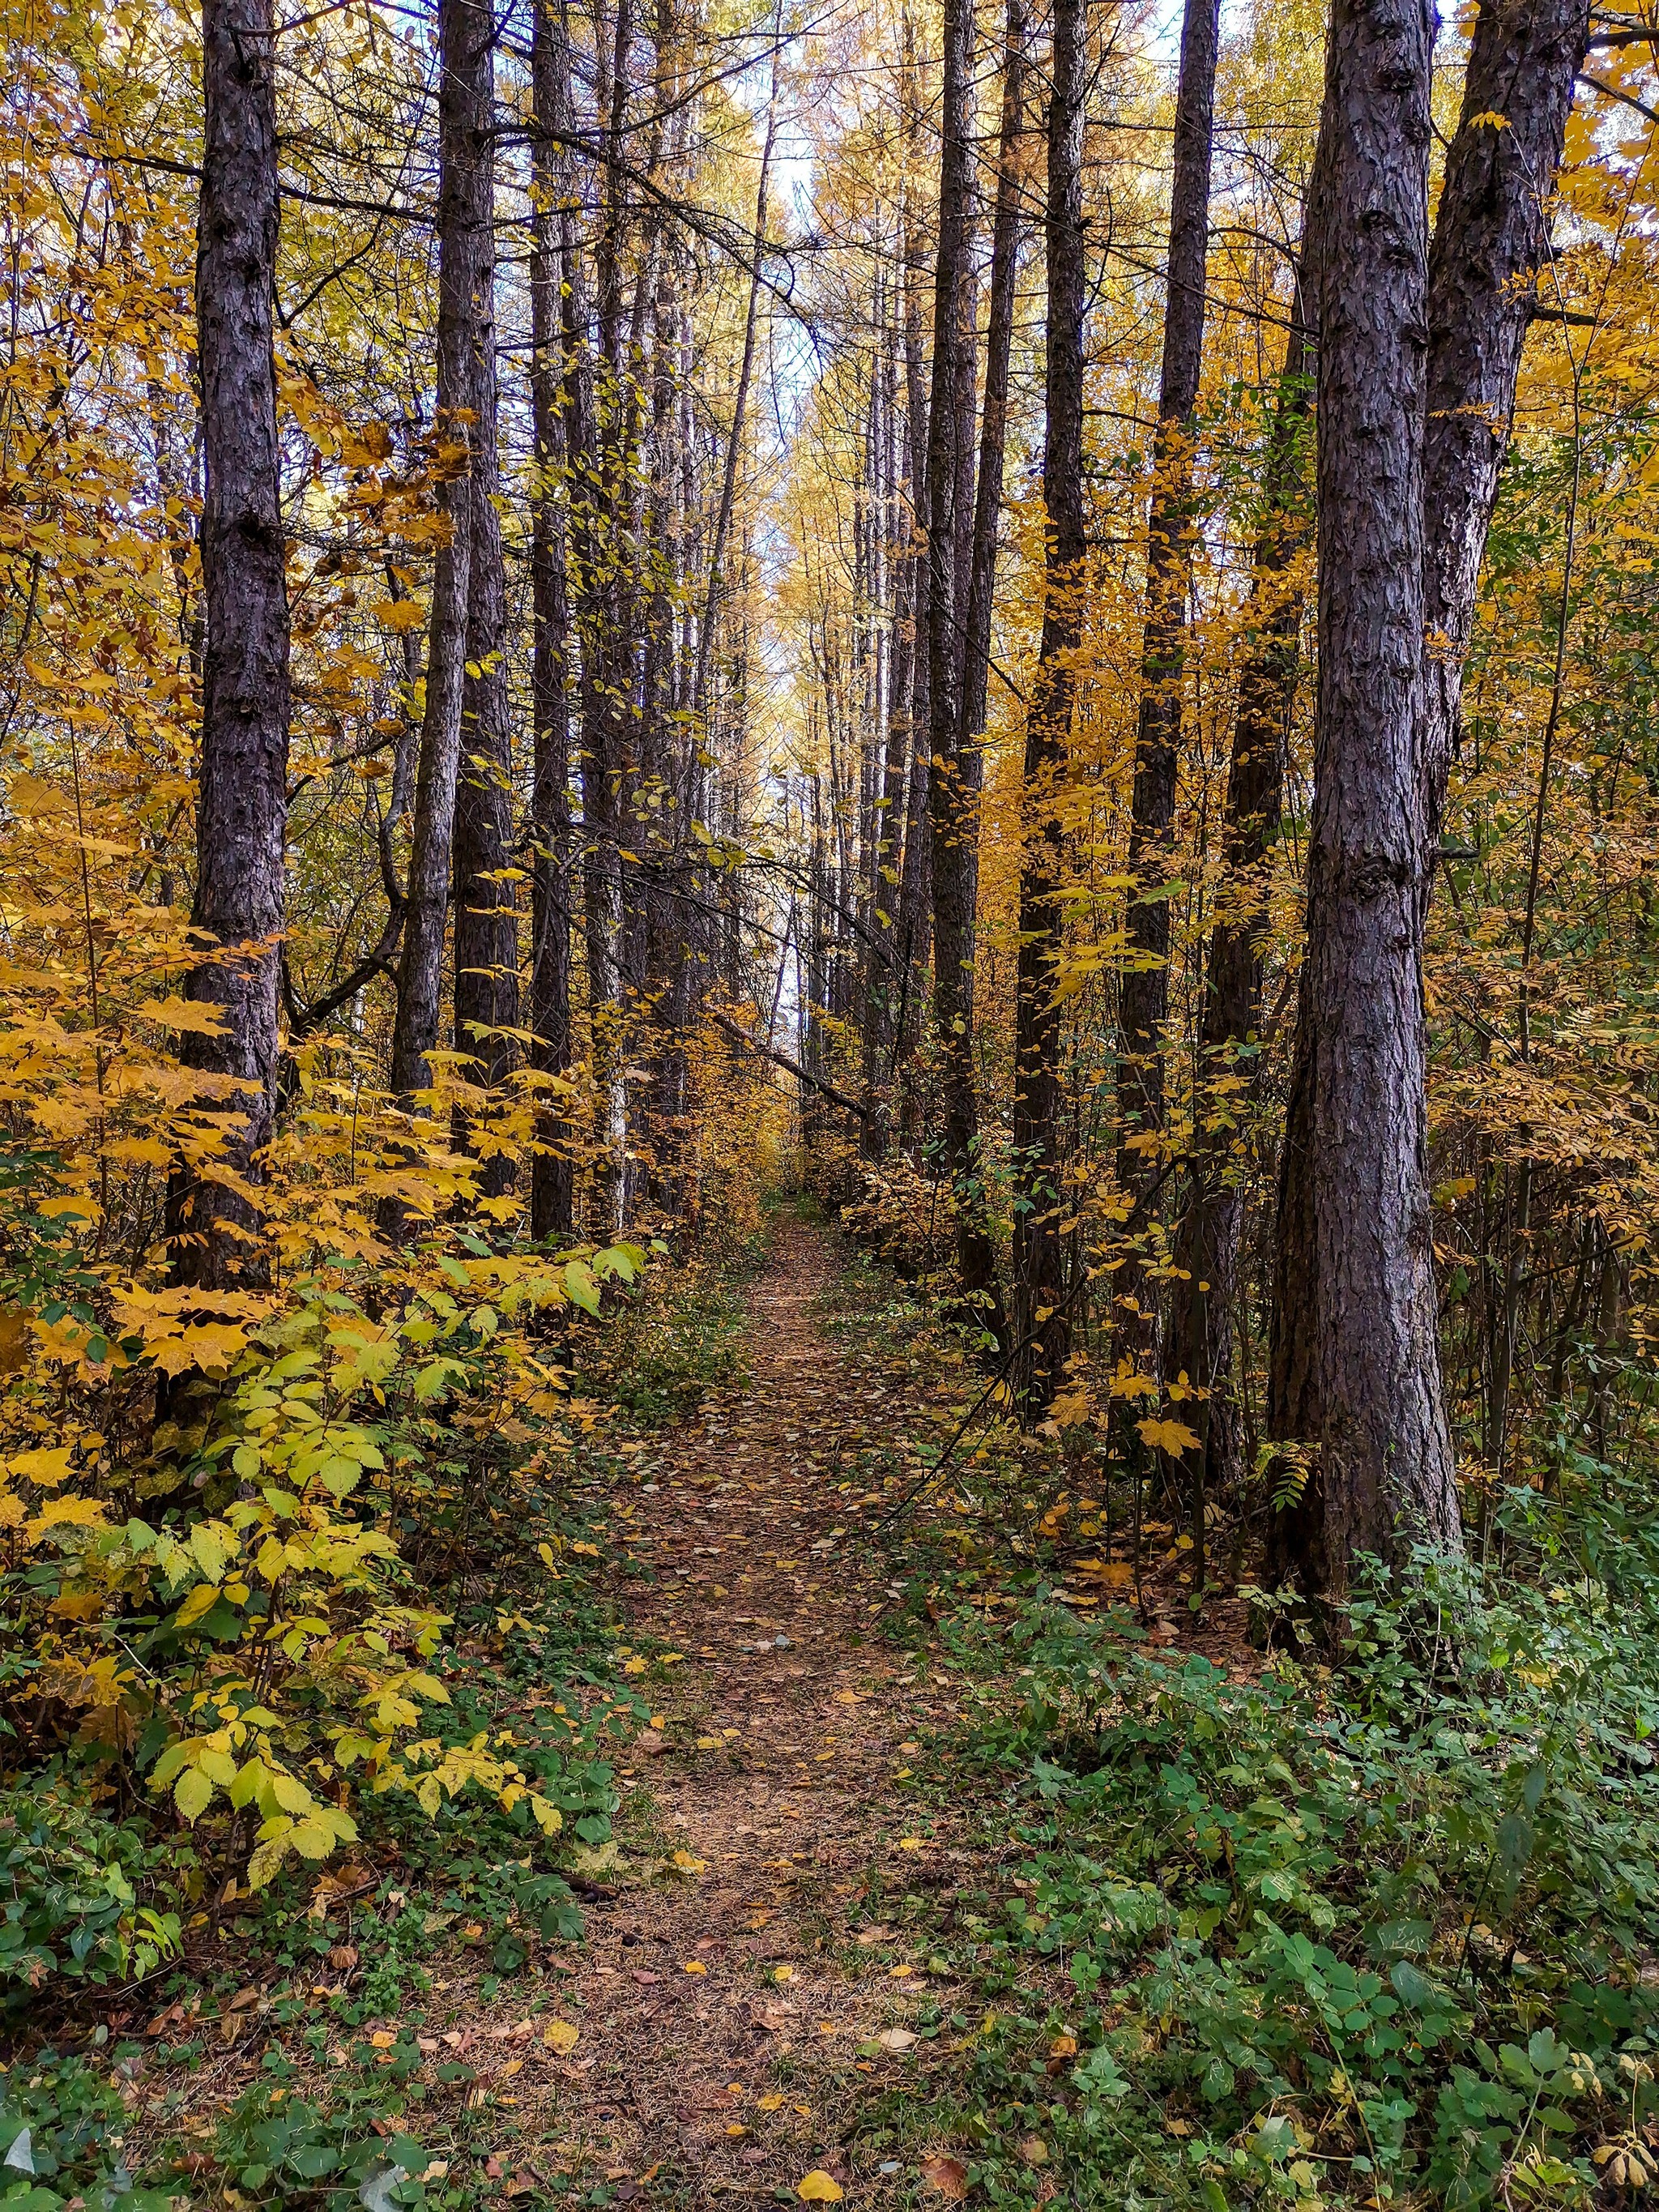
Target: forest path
[{"x": 730, "y": 2020}]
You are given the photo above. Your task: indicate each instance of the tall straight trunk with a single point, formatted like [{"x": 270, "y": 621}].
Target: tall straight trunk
[
  {"x": 465, "y": 260},
  {"x": 242, "y": 816},
  {"x": 993, "y": 407},
  {"x": 882, "y": 1011},
  {"x": 954, "y": 787},
  {"x": 1204, "y": 1295},
  {"x": 741, "y": 401},
  {"x": 915, "y": 898},
  {"x": 607, "y": 689},
  {"x": 552, "y": 1181},
  {"x": 1146, "y": 985},
  {"x": 486, "y": 997},
  {"x": 1355, "y": 1361},
  {"x": 1041, "y": 1318},
  {"x": 1488, "y": 243}
]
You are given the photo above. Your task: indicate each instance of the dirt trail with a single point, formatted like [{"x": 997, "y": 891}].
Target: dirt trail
[{"x": 781, "y": 1766}]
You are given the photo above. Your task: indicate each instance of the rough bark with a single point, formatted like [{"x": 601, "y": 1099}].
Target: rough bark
[
  {"x": 1204, "y": 1296},
  {"x": 1041, "y": 1320},
  {"x": 464, "y": 258},
  {"x": 486, "y": 994},
  {"x": 954, "y": 784},
  {"x": 241, "y": 808},
  {"x": 1489, "y": 237},
  {"x": 552, "y": 1180},
  {"x": 1145, "y": 987},
  {"x": 1355, "y": 1362}
]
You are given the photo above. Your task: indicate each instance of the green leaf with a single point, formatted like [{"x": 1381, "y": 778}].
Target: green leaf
[{"x": 192, "y": 1793}]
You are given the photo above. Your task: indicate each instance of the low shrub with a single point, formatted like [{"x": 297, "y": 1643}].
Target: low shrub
[{"x": 1365, "y": 1935}]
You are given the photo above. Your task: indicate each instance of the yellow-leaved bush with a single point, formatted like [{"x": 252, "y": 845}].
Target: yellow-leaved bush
[{"x": 263, "y": 1629}]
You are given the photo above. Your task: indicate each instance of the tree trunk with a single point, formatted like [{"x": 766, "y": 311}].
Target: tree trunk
[
  {"x": 1488, "y": 243},
  {"x": 552, "y": 1181},
  {"x": 241, "y": 817},
  {"x": 486, "y": 1000},
  {"x": 1204, "y": 1295},
  {"x": 915, "y": 900},
  {"x": 954, "y": 786},
  {"x": 1355, "y": 1363},
  {"x": 1145, "y": 987},
  {"x": 994, "y": 417},
  {"x": 1041, "y": 1320},
  {"x": 465, "y": 258}
]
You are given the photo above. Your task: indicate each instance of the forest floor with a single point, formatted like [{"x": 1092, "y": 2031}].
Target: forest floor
[
  {"x": 790, "y": 1975},
  {"x": 927, "y": 1849},
  {"x": 733, "y": 2022}
]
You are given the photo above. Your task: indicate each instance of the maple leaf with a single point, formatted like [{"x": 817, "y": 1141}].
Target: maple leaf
[{"x": 1170, "y": 1437}]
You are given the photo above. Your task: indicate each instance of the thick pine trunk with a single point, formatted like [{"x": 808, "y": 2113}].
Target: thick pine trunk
[
  {"x": 1041, "y": 1320},
  {"x": 1145, "y": 988},
  {"x": 242, "y": 804},
  {"x": 1204, "y": 1295},
  {"x": 1355, "y": 1361},
  {"x": 954, "y": 787},
  {"x": 465, "y": 258}
]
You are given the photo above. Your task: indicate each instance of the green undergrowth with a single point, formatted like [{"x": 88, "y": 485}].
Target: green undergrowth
[
  {"x": 127, "y": 1963},
  {"x": 1388, "y": 1935}
]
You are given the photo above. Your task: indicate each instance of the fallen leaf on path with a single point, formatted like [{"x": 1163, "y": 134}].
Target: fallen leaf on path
[
  {"x": 693, "y": 1967},
  {"x": 689, "y": 1863},
  {"x": 948, "y": 2175},
  {"x": 772, "y": 2103},
  {"x": 1117, "y": 1574},
  {"x": 819, "y": 2187},
  {"x": 1034, "y": 2150},
  {"x": 1063, "y": 2046},
  {"x": 651, "y": 1742},
  {"x": 869, "y": 1936},
  {"x": 896, "y": 2039},
  {"x": 783, "y": 1973},
  {"x": 562, "y": 2035}
]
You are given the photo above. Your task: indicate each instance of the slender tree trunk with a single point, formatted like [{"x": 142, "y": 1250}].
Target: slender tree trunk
[
  {"x": 915, "y": 907},
  {"x": 887, "y": 984},
  {"x": 1355, "y": 1361},
  {"x": 993, "y": 416},
  {"x": 1145, "y": 988},
  {"x": 1042, "y": 1322},
  {"x": 1489, "y": 236},
  {"x": 954, "y": 787},
  {"x": 241, "y": 817},
  {"x": 486, "y": 997},
  {"x": 740, "y": 401},
  {"x": 607, "y": 688},
  {"x": 465, "y": 258},
  {"x": 1204, "y": 1296},
  {"x": 552, "y": 1182}
]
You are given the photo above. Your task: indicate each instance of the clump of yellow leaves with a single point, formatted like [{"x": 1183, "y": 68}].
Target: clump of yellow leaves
[{"x": 287, "y": 1670}]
